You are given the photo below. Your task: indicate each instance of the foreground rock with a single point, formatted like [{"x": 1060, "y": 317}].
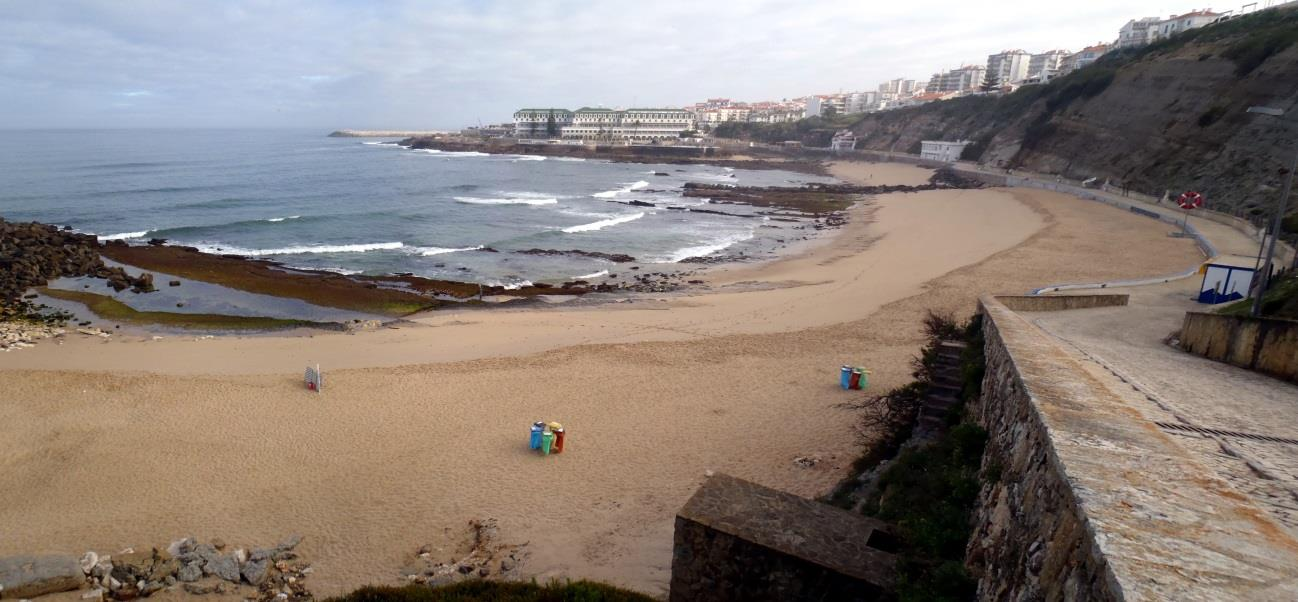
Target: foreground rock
[
  {"x": 31, "y": 576},
  {"x": 265, "y": 574}
]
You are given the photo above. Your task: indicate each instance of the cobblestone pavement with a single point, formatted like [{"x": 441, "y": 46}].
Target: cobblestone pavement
[{"x": 1125, "y": 346}]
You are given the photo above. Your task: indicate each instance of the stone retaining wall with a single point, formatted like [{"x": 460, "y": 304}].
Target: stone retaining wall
[
  {"x": 739, "y": 541},
  {"x": 1264, "y": 345},
  {"x": 1084, "y": 499},
  {"x": 1060, "y": 302}
]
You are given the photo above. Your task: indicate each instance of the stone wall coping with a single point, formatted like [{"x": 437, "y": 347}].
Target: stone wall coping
[
  {"x": 807, "y": 529},
  {"x": 1167, "y": 527}
]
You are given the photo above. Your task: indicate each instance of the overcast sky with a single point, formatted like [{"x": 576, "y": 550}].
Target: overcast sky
[{"x": 444, "y": 64}]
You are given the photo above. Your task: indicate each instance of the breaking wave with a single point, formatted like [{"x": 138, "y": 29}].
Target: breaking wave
[
  {"x": 440, "y": 153},
  {"x": 604, "y": 223},
  {"x": 599, "y": 274},
  {"x": 608, "y": 194},
  {"x": 280, "y": 219},
  {"x": 705, "y": 250},
  {"x": 124, "y": 235},
  {"x": 431, "y": 251}
]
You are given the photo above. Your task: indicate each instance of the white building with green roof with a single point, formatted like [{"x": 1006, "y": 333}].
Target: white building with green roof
[
  {"x": 606, "y": 125},
  {"x": 541, "y": 123}
]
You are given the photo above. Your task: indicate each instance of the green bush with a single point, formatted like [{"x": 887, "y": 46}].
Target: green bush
[
  {"x": 496, "y": 591},
  {"x": 1250, "y": 52}
]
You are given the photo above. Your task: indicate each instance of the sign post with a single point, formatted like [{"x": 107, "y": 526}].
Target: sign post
[{"x": 1189, "y": 201}]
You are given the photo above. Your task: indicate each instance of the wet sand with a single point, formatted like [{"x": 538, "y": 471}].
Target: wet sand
[{"x": 132, "y": 442}]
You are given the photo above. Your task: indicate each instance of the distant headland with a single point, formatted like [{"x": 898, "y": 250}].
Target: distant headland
[{"x": 382, "y": 133}]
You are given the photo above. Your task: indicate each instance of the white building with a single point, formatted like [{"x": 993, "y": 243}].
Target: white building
[
  {"x": 814, "y": 107},
  {"x": 1138, "y": 32},
  {"x": 964, "y": 79},
  {"x": 860, "y": 102},
  {"x": 1086, "y": 56},
  {"x": 899, "y": 88},
  {"x": 938, "y": 150},
  {"x": 541, "y": 123},
  {"x": 1009, "y": 66},
  {"x": 594, "y": 123},
  {"x": 1046, "y": 65},
  {"x": 844, "y": 140},
  {"x": 1191, "y": 20}
]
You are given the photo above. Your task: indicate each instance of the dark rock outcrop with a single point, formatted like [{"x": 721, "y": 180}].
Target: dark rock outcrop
[{"x": 32, "y": 254}]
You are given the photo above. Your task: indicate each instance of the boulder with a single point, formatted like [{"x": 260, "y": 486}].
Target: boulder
[
  {"x": 189, "y": 573},
  {"x": 256, "y": 571},
  {"x": 31, "y": 576},
  {"x": 225, "y": 567}
]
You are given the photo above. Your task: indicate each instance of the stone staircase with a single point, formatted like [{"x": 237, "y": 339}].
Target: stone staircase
[{"x": 943, "y": 393}]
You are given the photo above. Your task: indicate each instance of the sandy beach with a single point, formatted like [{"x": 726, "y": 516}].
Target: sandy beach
[{"x": 128, "y": 441}]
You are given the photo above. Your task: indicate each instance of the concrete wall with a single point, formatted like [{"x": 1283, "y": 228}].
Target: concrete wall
[
  {"x": 1060, "y": 302},
  {"x": 739, "y": 541},
  {"x": 1265, "y": 345},
  {"x": 1084, "y": 499}
]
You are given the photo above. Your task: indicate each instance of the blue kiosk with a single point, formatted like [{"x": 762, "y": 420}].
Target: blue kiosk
[{"x": 1222, "y": 283}]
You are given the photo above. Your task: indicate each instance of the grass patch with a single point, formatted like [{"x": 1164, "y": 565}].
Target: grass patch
[
  {"x": 1280, "y": 301},
  {"x": 495, "y": 591},
  {"x": 109, "y": 308}
]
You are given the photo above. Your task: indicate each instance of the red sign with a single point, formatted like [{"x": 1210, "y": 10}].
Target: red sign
[{"x": 1190, "y": 200}]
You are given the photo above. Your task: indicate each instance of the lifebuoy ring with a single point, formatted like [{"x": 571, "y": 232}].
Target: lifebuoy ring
[{"x": 1190, "y": 200}]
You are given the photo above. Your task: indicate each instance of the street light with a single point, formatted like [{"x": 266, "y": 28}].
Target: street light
[{"x": 1276, "y": 221}]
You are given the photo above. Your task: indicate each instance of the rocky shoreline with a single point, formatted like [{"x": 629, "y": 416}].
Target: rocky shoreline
[{"x": 666, "y": 154}]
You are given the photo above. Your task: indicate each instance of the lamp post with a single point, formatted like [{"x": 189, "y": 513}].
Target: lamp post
[{"x": 1275, "y": 221}]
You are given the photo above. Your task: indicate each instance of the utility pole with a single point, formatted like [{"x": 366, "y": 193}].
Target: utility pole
[{"x": 1276, "y": 221}]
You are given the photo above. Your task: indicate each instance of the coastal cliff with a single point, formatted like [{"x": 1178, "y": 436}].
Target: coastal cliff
[
  {"x": 1170, "y": 115},
  {"x": 1167, "y": 116}
]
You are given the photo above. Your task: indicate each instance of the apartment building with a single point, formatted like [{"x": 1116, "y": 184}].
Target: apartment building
[
  {"x": 965, "y": 79},
  {"x": 1138, "y": 32},
  {"x": 1046, "y": 65},
  {"x": 1009, "y": 66}
]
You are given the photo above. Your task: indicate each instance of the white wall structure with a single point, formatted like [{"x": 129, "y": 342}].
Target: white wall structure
[
  {"x": 600, "y": 124},
  {"x": 1009, "y": 66},
  {"x": 940, "y": 150},
  {"x": 844, "y": 140}
]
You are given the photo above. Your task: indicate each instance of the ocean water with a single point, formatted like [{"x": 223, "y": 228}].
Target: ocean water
[{"x": 368, "y": 206}]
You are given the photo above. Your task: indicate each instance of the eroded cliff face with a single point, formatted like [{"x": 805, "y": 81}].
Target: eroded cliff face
[{"x": 1170, "y": 116}]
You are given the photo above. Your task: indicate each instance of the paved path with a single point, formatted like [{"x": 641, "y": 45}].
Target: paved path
[{"x": 1125, "y": 346}]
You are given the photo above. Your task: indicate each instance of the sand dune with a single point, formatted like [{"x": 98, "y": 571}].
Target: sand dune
[{"x": 104, "y": 445}]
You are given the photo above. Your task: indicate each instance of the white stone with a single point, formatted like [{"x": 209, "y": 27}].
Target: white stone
[
  {"x": 88, "y": 562},
  {"x": 241, "y": 555}
]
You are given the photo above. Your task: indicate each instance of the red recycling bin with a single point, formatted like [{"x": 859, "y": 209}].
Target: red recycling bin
[{"x": 558, "y": 441}]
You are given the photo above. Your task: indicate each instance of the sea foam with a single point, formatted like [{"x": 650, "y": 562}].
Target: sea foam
[
  {"x": 604, "y": 223},
  {"x": 513, "y": 200},
  {"x": 301, "y": 250}
]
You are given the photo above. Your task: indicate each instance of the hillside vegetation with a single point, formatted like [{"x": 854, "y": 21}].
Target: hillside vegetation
[{"x": 1168, "y": 116}]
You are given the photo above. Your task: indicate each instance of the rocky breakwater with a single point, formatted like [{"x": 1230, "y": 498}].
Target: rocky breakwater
[
  {"x": 32, "y": 254},
  {"x": 276, "y": 573}
]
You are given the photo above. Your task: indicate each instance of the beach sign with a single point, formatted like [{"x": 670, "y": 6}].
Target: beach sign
[{"x": 314, "y": 378}]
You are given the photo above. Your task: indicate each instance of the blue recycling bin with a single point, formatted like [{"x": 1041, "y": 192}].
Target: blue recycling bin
[
  {"x": 845, "y": 377},
  {"x": 537, "y": 429}
]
